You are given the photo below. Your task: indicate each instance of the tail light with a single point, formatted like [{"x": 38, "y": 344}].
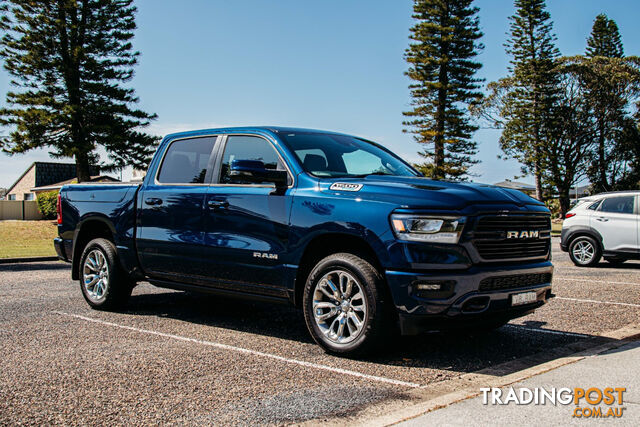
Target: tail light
[
  {"x": 569, "y": 215},
  {"x": 59, "y": 208}
]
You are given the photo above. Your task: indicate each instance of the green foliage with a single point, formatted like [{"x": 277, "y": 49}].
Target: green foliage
[
  {"x": 554, "y": 206},
  {"x": 605, "y": 39},
  {"x": 442, "y": 69},
  {"x": 528, "y": 106},
  {"x": 612, "y": 83},
  {"x": 570, "y": 149},
  {"x": 69, "y": 61},
  {"x": 567, "y": 152},
  {"x": 48, "y": 204}
]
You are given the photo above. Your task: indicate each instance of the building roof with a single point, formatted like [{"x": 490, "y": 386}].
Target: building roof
[
  {"x": 515, "y": 185},
  {"x": 48, "y": 173},
  {"x": 58, "y": 185}
]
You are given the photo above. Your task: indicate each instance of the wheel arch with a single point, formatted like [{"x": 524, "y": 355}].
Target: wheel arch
[
  {"x": 324, "y": 245},
  {"x": 89, "y": 229},
  {"x": 590, "y": 232}
]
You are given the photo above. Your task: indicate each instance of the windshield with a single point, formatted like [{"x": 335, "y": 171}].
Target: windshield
[{"x": 334, "y": 156}]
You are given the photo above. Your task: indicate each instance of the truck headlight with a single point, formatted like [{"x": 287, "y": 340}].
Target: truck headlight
[{"x": 434, "y": 229}]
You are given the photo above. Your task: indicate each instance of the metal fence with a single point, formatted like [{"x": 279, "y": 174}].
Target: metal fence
[{"x": 19, "y": 209}]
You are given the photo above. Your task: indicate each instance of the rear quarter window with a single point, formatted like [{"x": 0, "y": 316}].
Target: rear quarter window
[
  {"x": 186, "y": 161},
  {"x": 594, "y": 206}
]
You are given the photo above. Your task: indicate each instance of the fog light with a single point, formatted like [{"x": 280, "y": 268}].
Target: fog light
[
  {"x": 428, "y": 287},
  {"x": 433, "y": 289}
]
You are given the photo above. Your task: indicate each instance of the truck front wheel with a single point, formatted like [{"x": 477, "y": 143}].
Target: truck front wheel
[
  {"x": 343, "y": 305},
  {"x": 103, "y": 282}
]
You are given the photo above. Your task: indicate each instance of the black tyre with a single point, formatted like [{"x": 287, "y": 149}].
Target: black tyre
[
  {"x": 104, "y": 284},
  {"x": 584, "y": 251},
  {"x": 344, "y": 305}
]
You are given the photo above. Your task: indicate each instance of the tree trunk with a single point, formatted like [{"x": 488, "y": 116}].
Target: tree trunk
[
  {"x": 440, "y": 116},
  {"x": 565, "y": 201},
  {"x": 602, "y": 165},
  {"x": 539, "y": 194},
  {"x": 438, "y": 141},
  {"x": 82, "y": 168},
  {"x": 538, "y": 171}
]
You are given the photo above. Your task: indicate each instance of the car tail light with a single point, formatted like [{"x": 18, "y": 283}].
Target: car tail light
[
  {"x": 59, "y": 208},
  {"x": 569, "y": 215}
]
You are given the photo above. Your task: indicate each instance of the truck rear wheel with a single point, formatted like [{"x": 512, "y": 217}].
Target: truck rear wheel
[
  {"x": 104, "y": 284},
  {"x": 343, "y": 305}
]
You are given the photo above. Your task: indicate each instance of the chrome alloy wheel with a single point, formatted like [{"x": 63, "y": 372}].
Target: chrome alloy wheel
[
  {"x": 584, "y": 252},
  {"x": 95, "y": 275},
  {"x": 339, "y": 307}
]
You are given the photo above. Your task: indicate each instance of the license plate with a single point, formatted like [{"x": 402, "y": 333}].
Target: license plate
[{"x": 524, "y": 298}]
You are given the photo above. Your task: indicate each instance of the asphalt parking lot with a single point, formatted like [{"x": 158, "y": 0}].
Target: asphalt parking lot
[{"x": 176, "y": 358}]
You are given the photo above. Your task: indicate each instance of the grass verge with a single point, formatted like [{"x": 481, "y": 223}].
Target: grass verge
[{"x": 21, "y": 239}]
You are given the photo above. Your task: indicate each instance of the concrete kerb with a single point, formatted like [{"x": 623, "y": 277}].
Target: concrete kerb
[{"x": 442, "y": 394}]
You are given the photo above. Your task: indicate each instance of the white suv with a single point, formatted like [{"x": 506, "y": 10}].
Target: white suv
[{"x": 602, "y": 225}]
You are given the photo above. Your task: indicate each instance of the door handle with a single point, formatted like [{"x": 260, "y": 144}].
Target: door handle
[
  {"x": 153, "y": 201},
  {"x": 602, "y": 219},
  {"x": 218, "y": 204}
]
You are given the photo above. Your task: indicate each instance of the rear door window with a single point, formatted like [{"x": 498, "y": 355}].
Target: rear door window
[
  {"x": 187, "y": 161},
  {"x": 622, "y": 204}
]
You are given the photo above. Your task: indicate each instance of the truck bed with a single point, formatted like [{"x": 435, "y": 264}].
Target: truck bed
[{"x": 106, "y": 207}]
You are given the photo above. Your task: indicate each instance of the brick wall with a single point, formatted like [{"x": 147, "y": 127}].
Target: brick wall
[{"x": 24, "y": 185}]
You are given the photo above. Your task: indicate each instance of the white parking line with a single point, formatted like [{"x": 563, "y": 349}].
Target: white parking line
[
  {"x": 548, "y": 331},
  {"x": 598, "y": 302},
  {"x": 246, "y": 351},
  {"x": 595, "y": 282}
]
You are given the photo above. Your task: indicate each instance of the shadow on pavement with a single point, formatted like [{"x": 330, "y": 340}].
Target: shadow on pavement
[
  {"x": 33, "y": 266},
  {"x": 452, "y": 351},
  {"x": 628, "y": 265}
]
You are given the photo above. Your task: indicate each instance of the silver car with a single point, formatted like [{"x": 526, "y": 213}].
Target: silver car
[{"x": 604, "y": 225}]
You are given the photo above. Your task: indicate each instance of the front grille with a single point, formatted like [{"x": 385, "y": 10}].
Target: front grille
[
  {"x": 491, "y": 242},
  {"x": 513, "y": 282}
]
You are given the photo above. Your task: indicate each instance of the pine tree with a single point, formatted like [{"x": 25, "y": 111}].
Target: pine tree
[
  {"x": 442, "y": 68},
  {"x": 69, "y": 61},
  {"x": 605, "y": 39},
  {"x": 606, "y": 95},
  {"x": 529, "y": 110}
]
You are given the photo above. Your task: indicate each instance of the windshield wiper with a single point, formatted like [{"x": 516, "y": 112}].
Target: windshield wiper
[{"x": 364, "y": 175}]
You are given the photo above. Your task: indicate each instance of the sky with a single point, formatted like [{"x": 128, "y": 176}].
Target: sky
[{"x": 333, "y": 64}]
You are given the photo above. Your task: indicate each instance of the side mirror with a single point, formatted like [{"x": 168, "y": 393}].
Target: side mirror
[{"x": 253, "y": 171}]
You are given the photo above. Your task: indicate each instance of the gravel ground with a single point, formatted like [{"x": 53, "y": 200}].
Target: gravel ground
[{"x": 58, "y": 369}]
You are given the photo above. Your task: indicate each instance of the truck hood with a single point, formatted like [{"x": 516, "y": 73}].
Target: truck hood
[{"x": 423, "y": 193}]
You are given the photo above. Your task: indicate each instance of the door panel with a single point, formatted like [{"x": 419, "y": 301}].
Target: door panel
[
  {"x": 171, "y": 212},
  {"x": 246, "y": 225},
  {"x": 171, "y": 232},
  {"x": 617, "y": 223},
  {"x": 245, "y": 238}
]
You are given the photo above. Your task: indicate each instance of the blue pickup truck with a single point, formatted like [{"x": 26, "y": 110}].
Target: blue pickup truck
[{"x": 332, "y": 223}]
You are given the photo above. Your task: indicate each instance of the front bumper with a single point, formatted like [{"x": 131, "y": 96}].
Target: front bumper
[{"x": 465, "y": 302}]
